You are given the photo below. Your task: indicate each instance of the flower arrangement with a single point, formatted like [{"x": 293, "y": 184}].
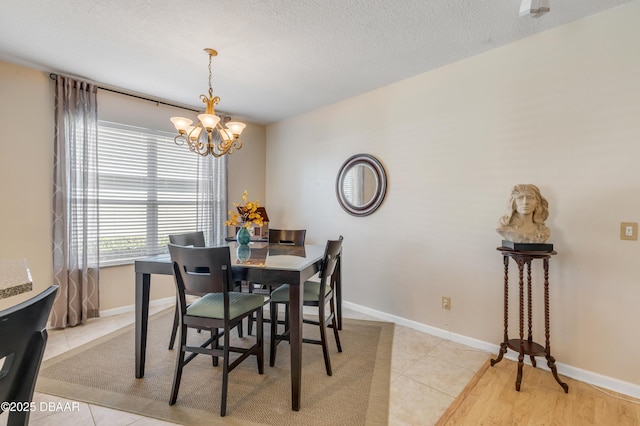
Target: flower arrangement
[{"x": 246, "y": 213}]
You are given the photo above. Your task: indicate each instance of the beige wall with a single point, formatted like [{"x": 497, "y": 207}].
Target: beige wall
[
  {"x": 247, "y": 169},
  {"x": 560, "y": 110},
  {"x": 26, "y": 168},
  {"x": 26, "y": 158}
]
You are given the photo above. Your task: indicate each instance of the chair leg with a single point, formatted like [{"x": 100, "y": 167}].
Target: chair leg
[
  {"x": 174, "y": 330},
  {"x": 240, "y": 327},
  {"x": 214, "y": 343},
  {"x": 240, "y": 333},
  {"x": 273, "y": 314},
  {"x": 323, "y": 339},
  {"x": 334, "y": 325},
  {"x": 260, "y": 340},
  {"x": 225, "y": 372},
  {"x": 177, "y": 376},
  {"x": 286, "y": 316}
]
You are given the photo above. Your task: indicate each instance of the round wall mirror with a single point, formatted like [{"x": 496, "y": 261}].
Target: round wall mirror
[{"x": 361, "y": 185}]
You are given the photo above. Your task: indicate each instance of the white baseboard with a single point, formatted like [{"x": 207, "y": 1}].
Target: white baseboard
[
  {"x": 131, "y": 308},
  {"x": 576, "y": 373}
]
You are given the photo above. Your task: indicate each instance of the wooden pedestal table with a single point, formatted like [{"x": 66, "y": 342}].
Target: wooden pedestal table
[{"x": 527, "y": 346}]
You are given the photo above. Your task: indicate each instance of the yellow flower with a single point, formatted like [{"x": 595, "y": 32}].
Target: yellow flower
[{"x": 247, "y": 213}]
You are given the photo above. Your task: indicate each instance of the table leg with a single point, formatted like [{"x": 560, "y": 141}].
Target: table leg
[
  {"x": 143, "y": 284},
  {"x": 295, "y": 339}
]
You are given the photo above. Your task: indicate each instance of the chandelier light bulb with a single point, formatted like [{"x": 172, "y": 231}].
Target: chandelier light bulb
[
  {"x": 236, "y": 127},
  {"x": 226, "y": 134},
  {"x": 181, "y": 124},
  {"x": 194, "y": 132},
  {"x": 208, "y": 121}
]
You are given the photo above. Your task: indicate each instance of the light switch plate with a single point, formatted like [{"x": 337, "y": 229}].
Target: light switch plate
[{"x": 625, "y": 226}]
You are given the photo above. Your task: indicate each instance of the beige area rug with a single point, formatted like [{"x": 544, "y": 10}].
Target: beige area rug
[{"x": 102, "y": 373}]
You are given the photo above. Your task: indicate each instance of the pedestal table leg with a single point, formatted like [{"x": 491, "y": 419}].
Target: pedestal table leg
[
  {"x": 521, "y": 294},
  {"x": 503, "y": 345},
  {"x": 551, "y": 361}
]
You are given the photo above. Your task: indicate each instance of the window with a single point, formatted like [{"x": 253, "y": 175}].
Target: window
[{"x": 147, "y": 190}]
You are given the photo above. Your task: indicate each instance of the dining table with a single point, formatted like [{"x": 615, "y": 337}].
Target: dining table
[{"x": 265, "y": 264}]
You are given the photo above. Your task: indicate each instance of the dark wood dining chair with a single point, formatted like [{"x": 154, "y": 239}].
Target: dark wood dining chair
[
  {"x": 218, "y": 308},
  {"x": 290, "y": 237},
  {"x": 195, "y": 239},
  {"x": 23, "y": 338},
  {"x": 190, "y": 239},
  {"x": 320, "y": 294},
  {"x": 293, "y": 237}
]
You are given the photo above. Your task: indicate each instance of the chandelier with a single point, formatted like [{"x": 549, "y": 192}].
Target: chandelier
[{"x": 209, "y": 136}]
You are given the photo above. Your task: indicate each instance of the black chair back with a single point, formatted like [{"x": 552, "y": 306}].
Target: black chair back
[
  {"x": 23, "y": 337},
  {"x": 200, "y": 270},
  {"x": 331, "y": 256},
  {"x": 293, "y": 237},
  {"x": 195, "y": 239}
]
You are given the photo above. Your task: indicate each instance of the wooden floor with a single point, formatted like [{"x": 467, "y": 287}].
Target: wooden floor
[{"x": 491, "y": 399}]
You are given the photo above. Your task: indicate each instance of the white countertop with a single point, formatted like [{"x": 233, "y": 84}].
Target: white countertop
[{"x": 15, "y": 277}]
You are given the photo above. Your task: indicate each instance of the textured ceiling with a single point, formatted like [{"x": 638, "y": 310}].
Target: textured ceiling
[{"x": 276, "y": 58}]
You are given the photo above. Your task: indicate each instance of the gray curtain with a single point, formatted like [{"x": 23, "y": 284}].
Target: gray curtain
[
  {"x": 212, "y": 199},
  {"x": 75, "y": 206}
]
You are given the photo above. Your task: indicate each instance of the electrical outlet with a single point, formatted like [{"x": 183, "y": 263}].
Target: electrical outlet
[
  {"x": 446, "y": 302},
  {"x": 629, "y": 230}
]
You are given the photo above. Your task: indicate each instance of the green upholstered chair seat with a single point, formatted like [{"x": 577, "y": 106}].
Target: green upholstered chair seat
[
  {"x": 311, "y": 292},
  {"x": 212, "y": 305}
]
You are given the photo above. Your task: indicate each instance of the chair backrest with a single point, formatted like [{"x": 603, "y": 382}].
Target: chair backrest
[
  {"x": 195, "y": 239},
  {"x": 293, "y": 237},
  {"x": 332, "y": 253},
  {"x": 23, "y": 337},
  {"x": 200, "y": 270}
]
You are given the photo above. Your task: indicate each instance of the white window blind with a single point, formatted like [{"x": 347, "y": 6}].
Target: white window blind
[{"x": 147, "y": 190}]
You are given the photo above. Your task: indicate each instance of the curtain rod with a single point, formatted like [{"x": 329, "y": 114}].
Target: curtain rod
[{"x": 54, "y": 76}]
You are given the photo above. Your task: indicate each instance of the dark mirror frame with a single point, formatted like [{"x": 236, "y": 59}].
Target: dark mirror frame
[{"x": 381, "y": 187}]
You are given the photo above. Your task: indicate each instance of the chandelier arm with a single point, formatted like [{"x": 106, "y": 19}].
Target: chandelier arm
[
  {"x": 229, "y": 146},
  {"x": 223, "y": 146},
  {"x": 196, "y": 131},
  {"x": 198, "y": 147},
  {"x": 224, "y": 131},
  {"x": 218, "y": 149},
  {"x": 202, "y": 148}
]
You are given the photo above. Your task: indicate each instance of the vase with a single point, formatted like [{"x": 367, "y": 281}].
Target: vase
[{"x": 243, "y": 236}]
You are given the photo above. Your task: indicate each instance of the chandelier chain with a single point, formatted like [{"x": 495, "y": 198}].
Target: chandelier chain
[{"x": 210, "y": 88}]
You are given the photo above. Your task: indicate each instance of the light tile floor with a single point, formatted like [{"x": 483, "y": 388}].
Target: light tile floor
[{"x": 427, "y": 374}]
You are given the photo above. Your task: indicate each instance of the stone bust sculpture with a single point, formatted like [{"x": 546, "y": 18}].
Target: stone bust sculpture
[{"x": 526, "y": 213}]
